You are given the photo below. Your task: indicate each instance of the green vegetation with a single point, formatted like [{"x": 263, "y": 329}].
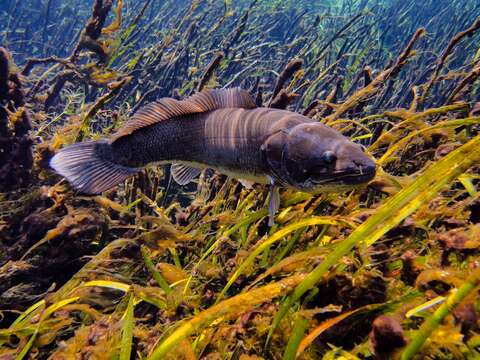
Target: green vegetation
[{"x": 152, "y": 270}]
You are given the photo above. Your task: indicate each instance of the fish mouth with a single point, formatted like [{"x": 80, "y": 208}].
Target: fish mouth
[{"x": 348, "y": 178}]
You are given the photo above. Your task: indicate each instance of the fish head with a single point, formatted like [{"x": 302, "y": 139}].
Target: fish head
[{"x": 315, "y": 158}]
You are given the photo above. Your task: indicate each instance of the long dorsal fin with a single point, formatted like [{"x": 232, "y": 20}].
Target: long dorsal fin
[{"x": 168, "y": 108}]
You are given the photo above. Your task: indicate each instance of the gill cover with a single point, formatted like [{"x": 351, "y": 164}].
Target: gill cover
[{"x": 273, "y": 150}]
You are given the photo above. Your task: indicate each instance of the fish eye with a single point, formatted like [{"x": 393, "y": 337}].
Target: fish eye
[{"x": 329, "y": 157}]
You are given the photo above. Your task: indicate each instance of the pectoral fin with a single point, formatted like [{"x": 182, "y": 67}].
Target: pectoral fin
[
  {"x": 247, "y": 184},
  {"x": 184, "y": 174},
  {"x": 273, "y": 204}
]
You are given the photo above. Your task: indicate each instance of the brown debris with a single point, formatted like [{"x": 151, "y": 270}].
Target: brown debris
[
  {"x": 93, "y": 30},
  {"x": 437, "y": 281},
  {"x": 461, "y": 239},
  {"x": 466, "y": 315},
  {"x": 444, "y": 149},
  {"x": 310, "y": 109},
  {"x": 207, "y": 75},
  {"x": 54, "y": 92},
  {"x": 464, "y": 85},
  {"x": 90, "y": 341},
  {"x": 367, "y": 75},
  {"x": 282, "y": 100},
  {"x": 475, "y": 109},
  {"x": 291, "y": 68},
  {"x": 88, "y": 40},
  {"x": 44, "y": 248},
  {"x": 386, "y": 335},
  {"x": 32, "y": 62},
  {"x": 410, "y": 270},
  {"x": 16, "y": 158}
]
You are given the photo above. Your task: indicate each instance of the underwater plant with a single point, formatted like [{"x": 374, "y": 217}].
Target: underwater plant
[{"x": 152, "y": 269}]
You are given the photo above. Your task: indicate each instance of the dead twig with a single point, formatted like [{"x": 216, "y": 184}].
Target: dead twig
[{"x": 207, "y": 75}]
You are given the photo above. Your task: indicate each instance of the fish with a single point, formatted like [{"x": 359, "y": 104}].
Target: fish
[{"x": 222, "y": 129}]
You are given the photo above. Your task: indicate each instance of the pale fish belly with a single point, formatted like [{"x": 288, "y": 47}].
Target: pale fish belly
[
  {"x": 255, "y": 178},
  {"x": 233, "y": 173},
  {"x": 330, "y": 188}
]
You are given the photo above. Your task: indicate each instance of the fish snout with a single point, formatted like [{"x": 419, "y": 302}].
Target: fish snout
[
  {"x": 365, "y": 169},
  {"x": 366, "y": 166}
]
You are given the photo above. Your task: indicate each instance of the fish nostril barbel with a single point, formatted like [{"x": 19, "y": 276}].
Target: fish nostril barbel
[{"x": 370, "y": 168}]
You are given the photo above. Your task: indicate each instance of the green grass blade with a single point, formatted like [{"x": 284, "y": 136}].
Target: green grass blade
[
  {"x": 278, "y": 235},
  {"x": 27, "y": 347},
  {"x": 226, "y": 309},
  {"x": 446, "y": 308},
  {"x": 108, "y": 284},
  {"x": 24, "y": 316},
  {"x": 48, "y": 311},
  {"x": 27, "y": 312},
  {"x": 127, "y": 330},
  {"x": 403, "y": 142},
  {"x": 299, "y": 328},
  {"x": 155, "y": 274},
  {"x": 248, "y": 219}
]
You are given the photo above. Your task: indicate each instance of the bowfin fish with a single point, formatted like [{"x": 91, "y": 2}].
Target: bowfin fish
[{"x": 224, "y": 130}]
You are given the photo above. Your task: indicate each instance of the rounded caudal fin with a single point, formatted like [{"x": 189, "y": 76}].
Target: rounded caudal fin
[{"x": 89, "y": 167}]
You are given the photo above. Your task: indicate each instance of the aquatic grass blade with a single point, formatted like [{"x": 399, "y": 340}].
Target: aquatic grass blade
[
  {"x": 382, "y": 139},
  {"x": 108, "y": 284},
  {"x": 307, "y": 340},
  {"x": 278, "y": 235},
  {"x": 301, "y": 324},
  {"x": 228, "y": 308},
  {"x": 402, "y": 142},
  {"x": 472, "y": 282},
  {"x": 127, "y": 330},
  {"x": 247, "y": 220},
  {"x": 426, "y": 305},
  {"x": 155, "y": 274},
  {"x": 468, "y": 184},
  {"x": 390, "y": 214},
  {"x": 47, "y": 312},
  {"x": 27, "y": 312}
]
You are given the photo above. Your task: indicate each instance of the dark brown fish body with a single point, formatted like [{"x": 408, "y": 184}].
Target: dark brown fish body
[
  {"x": 220, "y": 129},
  {"x": 228, "y": 139}
]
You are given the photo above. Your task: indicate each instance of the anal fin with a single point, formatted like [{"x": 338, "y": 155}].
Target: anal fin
[{"x": 184, "y": 174}]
